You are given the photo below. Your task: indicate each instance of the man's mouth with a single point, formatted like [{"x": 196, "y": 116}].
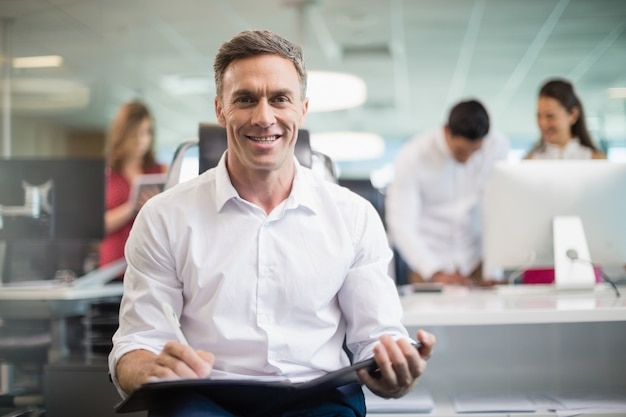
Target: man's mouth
[{"x": 265, "y": 139}]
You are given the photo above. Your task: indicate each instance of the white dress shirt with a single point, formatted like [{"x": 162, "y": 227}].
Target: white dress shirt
[
  {"x": 272, "y": 296},
  {"x": 572, "y": 150},
  {"x": 433, "y": 203}
]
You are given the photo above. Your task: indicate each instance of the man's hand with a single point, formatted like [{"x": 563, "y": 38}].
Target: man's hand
[
  {"x": 451, "y": 279},
  {"x": 175, "y": 361},
  {"x": 399, "y": 363},
  {"x": 146, "y": 194}
]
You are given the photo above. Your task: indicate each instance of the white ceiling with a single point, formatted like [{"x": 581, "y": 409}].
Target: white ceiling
[{"x": 417, "y": 58}]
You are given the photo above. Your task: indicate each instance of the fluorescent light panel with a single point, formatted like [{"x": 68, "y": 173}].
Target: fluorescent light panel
[
  {"x": 330, "y": 91},
  {"x": 43, "y": 61},
  {"x": 349, "y": 146},
  {"x": 183, "y": 85},
  {"x": 617, "y": 92}
]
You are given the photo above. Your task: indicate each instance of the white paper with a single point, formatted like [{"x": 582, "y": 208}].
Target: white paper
[
  {"x": 475, "y": 403},
  {"x": 417, "y": 401}
]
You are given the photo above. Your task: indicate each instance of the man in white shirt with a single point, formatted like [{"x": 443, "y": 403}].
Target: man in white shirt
[
  {"x": 432, "y": 206},
  {"x": 269, "y": 268}
]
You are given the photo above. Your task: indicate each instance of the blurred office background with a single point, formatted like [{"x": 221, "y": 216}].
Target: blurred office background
[
  {"x": 412, "y": 60},
  {"x": 67, "y": 65}
]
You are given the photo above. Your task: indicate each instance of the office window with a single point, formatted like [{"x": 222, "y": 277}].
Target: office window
[{"x": 617, "y": 154}]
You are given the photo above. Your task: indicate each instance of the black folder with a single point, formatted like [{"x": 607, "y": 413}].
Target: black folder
[{"x": 150, "y": 393}]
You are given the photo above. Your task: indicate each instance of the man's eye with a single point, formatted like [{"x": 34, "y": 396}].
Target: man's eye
[
  {"x": 244, "y": 100},
  {"x": 281, "y": 99}
]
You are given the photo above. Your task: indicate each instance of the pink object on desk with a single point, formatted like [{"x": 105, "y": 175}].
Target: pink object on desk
[{"x": 546, "y": 275}]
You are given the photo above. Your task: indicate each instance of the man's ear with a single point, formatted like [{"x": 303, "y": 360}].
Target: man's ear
[
  {"x": 446, "y": 132},
  {"x": 219, "y": 111},
  {"x": 305, "y": 110}
]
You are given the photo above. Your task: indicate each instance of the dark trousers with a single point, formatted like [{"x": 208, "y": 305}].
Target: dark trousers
[{"x": 346, "y": 401}]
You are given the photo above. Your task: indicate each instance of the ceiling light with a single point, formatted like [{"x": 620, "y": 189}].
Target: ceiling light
[
  {"x": 43, "y": 61},
  {"x": 43, "y": 94},
  {"x": 329, "y": 91},
  {"x": 617, "y": 92},
  {"x": 349, "y": 146},
  {"x": 182, "y": 85}
]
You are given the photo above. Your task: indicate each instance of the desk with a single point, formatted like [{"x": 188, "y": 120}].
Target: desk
[
  {"x": 516, "y": 341},
  {"x": 55, "y": 304},
  {"x": 520, "y": 340},
  {"x": 512, "y": 305}
]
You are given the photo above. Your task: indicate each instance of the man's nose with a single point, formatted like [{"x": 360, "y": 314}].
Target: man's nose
[{"x": 263, "y": 114}]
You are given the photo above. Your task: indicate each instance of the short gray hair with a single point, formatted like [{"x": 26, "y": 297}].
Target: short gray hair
[{"x": 251, "y": 43}]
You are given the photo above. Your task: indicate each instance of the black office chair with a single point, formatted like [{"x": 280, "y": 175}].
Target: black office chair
[
  {"x": 24, "y": 348},
  {"x": 26, "y": 411},
  {"x": 212, "y": 143}
]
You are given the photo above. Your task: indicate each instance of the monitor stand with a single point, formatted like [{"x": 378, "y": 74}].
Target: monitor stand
[{"x": 573, "y": 268}]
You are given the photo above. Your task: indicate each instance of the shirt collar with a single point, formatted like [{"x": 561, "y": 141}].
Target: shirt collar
[
  {"x": 303, "y": 190},
  {"x": 442, "y": 144},
  {"x": 573, "y": 145},
  {"x": 572, "y": 148},
  {"x": 224, "y": 190}
]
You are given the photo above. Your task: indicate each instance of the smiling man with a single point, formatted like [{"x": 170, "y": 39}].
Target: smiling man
[{"x": 270, "y": 269}]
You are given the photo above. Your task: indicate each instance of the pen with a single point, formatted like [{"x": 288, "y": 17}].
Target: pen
[{"x": 170, "y": 314}]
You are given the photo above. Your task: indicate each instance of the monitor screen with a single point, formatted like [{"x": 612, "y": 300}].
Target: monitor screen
[
  {"x": 51, "y": 210},
  {"x": 75, "y": 195},
  {"x": 523, "y": 198}
]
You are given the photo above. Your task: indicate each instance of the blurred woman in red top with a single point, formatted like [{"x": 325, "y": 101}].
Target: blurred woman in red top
[{"x": 130, "y": 153}]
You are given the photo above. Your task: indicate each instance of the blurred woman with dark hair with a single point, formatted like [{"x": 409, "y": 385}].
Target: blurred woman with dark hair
[
  {"x": 561, "y": 120},
  {"x": 130, "y": 153}
]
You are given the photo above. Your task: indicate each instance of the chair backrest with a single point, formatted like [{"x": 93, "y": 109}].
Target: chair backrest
[
  {"x": 212, "y": 144},
  {"x": 175, "y": 170}
]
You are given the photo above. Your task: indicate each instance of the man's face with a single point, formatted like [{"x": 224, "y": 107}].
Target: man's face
[
  {"x": 262, "y": 109},
  {"x": 144, "y": 137},
  {"x": 461, "y": 147}
]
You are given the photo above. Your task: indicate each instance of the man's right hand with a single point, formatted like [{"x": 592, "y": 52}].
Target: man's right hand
[
  {"x": 451, "y": 279},
  {"x": 175, "y": 361}
]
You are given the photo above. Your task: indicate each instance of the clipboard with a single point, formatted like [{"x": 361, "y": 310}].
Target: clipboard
[
  {"x": 150, "y": 393},
  {"x": 144, "y": 181}
]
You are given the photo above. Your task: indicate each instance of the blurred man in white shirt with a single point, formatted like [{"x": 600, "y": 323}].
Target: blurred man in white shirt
[{"x": 433, "y": 204}]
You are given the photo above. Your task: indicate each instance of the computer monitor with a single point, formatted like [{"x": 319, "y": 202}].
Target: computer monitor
[
  {"x": 51, "y": 210},
  {"x": 523, "y": 198}
]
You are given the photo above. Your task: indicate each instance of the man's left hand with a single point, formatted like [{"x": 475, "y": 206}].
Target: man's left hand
[{"x": 399, "y": 365}]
